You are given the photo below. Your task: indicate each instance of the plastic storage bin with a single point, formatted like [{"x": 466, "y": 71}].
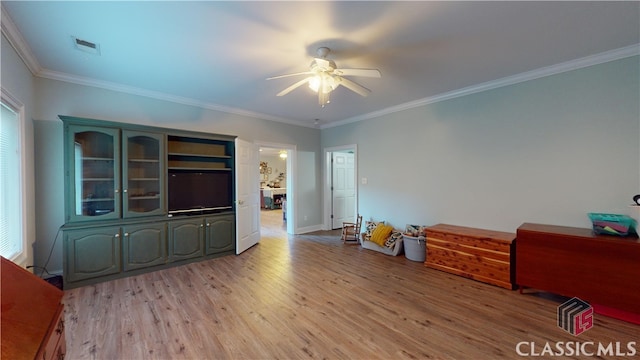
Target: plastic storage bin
[
  {"x": 415, "y": 248},
  {"x": 612, "y": 224}
]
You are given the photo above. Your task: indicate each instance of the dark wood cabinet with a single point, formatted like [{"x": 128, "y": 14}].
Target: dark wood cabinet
[
  {"x": 602, "y": 270},
  {"x": 32, "y": 316}
]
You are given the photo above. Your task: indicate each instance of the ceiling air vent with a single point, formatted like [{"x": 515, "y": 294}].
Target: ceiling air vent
[{"x": 86, "y": 46}]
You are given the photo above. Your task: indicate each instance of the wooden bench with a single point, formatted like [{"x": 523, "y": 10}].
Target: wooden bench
[{"x": 478, "y": 254}]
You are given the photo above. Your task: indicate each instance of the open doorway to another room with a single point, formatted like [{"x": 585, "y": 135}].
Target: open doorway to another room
[{"x": 276, "y": 205}]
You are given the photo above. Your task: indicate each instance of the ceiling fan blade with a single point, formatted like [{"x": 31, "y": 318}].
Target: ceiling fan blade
[
  {"x": 374, "y": 73},
  {"x": 357, "y": 88},
  {"x": 287, "y": 75},
  {"x": 292, "y": 87}
]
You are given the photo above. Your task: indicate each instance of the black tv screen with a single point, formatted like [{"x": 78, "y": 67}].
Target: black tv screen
[{"x": 199, "y": 191}]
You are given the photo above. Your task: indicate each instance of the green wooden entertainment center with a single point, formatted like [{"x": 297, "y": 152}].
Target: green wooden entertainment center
[{"x": 141, "y": 198}]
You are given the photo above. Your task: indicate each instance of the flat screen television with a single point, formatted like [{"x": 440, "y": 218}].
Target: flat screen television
[{"x": 200, "y": 192}]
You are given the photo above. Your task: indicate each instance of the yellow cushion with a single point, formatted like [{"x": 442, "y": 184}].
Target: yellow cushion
[{"x": 381, "y": 233}]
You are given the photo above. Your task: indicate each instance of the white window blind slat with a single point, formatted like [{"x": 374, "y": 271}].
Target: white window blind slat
[{"x": 10, "y": 184}]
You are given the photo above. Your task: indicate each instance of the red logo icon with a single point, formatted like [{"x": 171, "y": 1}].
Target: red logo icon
[{"x": 575, "y": 316}]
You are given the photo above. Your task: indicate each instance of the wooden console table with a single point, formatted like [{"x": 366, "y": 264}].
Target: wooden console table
[
  {"x": 600, "y": 269},
  {"x": 32, "y": 316}
]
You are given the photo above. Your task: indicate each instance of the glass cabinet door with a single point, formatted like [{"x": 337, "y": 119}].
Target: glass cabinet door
[
  {"x": 143, "y": 180},
  {"x": 95, "y": 177}
]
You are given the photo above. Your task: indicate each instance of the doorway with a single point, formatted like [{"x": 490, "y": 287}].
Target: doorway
[
  {"x": 277, "y": 205},
  {"x": 341, "y": 195}
]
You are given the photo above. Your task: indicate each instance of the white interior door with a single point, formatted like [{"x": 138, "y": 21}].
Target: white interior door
[
  {"x": 247, "y": 195},
  {"x": 343, "y": 185}
]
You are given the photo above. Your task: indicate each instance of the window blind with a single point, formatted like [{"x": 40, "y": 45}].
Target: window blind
[{"x": 10, "y": 184}]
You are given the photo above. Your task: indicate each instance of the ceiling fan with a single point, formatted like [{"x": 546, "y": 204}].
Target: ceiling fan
[{"x": 324, "y": 77}]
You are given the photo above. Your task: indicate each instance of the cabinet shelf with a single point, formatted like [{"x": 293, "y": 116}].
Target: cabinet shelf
[
  {"x": 199, "y": 155},
  {"x": 94, "y": 158},
  {"x": 153, "y": 161},
  {"x": 144, "y": 179},
  {"x": 145, "y": 197},
  {"x": 192, "y": 168},
  {"x": 97, "y": 179},
  {"x": 96, "y": 200}
]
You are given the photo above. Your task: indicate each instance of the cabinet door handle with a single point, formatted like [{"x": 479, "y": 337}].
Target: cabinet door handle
[
  {"x": 117, "y": 191},
  {"x": 125, "y": 190},
  {"x": 126, "y": 234},
  {"x": 117, "y": 235},
  {"x": 208, "y": 224}
]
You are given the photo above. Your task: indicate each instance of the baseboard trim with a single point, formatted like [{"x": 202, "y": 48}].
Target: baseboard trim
[{"x": 308, "y": 229}]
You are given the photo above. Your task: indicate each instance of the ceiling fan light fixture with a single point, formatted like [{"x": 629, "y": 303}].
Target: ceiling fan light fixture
[
  {"x": 314, "y": 83},
  {"x": 324, "y": 77},
  {"x": 323, "y": 82}
]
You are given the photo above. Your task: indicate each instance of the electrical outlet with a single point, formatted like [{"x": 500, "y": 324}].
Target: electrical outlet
[
  {"x": 364, "y": 181},
  {"x": 305, "y": 218}
]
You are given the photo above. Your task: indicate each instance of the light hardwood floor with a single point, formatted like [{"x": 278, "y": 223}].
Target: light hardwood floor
[{"x": 311, "y": 296}]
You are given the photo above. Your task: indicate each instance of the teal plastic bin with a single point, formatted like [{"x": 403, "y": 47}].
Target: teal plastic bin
[{"x": 612, "y": 224}]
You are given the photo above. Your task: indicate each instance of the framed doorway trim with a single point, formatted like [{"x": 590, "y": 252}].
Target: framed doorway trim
[{"x": 327, "y": 180}]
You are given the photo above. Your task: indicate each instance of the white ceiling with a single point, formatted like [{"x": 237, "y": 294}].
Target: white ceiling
[{"x": 218, "y": 54}]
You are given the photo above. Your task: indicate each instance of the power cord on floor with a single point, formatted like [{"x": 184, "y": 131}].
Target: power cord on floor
[
  {"x": 44, "y": 268},
  {"x": 39, "y": 267}
]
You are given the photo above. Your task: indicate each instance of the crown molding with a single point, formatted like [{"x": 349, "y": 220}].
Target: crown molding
[
  {"x": 13, "y": 35},
  {"x": 79, "y": 80},
  {"x": 15, "y": 38},
  {"x": 587, "y": 61},
  {"x": 600, "y": 58},
  {"x": 17, "y": 41}
]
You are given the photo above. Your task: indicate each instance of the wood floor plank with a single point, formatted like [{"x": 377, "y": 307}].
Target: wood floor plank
[{"x": 311, "y": 296}]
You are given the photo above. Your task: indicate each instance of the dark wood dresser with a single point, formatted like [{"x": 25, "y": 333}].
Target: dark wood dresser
[
  {"x": 600, "y": 269},
  {"x": 32, "y": 316}
]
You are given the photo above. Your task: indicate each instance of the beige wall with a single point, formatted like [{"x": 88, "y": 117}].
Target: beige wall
[{"x": 548, "y": 150}]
